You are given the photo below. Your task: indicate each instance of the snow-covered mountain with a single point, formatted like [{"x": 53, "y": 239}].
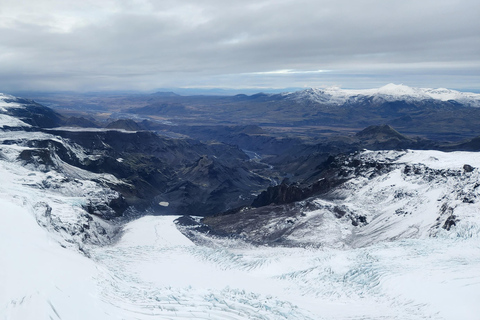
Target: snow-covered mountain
[
  {"x": 7, "y": 105},
  {"x": 370, "y": 197},
  {"x": 65, "y": 199},
  {"x": 397, "y": 239},
  {"x": 389, "y": 93}
]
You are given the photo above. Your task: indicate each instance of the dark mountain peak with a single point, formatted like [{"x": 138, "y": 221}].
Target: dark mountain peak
[
  {"x": 253, "y": 129},
  {"x": 80, "y": 122},
  {"x": 254, "y": 97},
  {"x": 204, "y": 162},
  {"x": 381, "y": 132},
  {"x": 259, "y": 95},
  {"x": 468, "y": 145},
  {"x": 125, "y": 124}
]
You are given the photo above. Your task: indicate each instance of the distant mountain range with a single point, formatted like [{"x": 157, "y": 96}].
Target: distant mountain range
[
  {"x": 388, "y": 93},
  {"x": 439, "y": 114}
]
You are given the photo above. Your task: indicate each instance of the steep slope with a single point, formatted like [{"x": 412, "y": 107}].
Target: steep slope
[
  {"x": 29, "y": 112},
  {"x": 40, "y": 279},
  {"x": 155, "y": 166},
  {"x": 51, "y": 214},
  {"x": 153, "y": 272},
  {"x": 368, "y": 197},
  {"x": 70, "y": 202}
]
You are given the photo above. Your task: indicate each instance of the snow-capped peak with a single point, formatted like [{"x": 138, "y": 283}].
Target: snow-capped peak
[
  {"x": 6, "y": 120},
  {"x": 399, "y": 90},
  {"x": 389, "y": 92},
  {"x": 7, "y": 102}
]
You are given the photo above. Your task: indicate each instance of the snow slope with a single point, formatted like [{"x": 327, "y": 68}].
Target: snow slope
[
  {"x": 7, "y": 102},
  {"x": 417, "y": 197},
  {"x": 40, "y": 279},
  {"x": 379, "y": 196}
]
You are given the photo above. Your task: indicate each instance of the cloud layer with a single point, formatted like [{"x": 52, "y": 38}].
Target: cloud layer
[{"x": 143, "y": 45}]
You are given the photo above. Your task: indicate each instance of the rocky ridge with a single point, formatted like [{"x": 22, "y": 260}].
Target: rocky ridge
[{"x": 368, "y": 197}]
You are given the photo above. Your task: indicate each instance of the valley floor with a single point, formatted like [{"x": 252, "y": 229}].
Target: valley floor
[{"x": 154, "y": 272}]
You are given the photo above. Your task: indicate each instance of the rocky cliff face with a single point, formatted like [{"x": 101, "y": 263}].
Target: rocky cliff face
[{"x": 193, "y": 177}]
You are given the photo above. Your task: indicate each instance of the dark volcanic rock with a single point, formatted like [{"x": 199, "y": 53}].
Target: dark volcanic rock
[
  {"x": 279, "y": 210},
  {"x": 40, "y": 158},
  {"x": 469, "y": 145},
  {"x": 280, "y": 194},
  {"x": 195, "y": 178},
  {"x": 382, "y": 132},
  {"x": 125, "y": 124},
  {"x": 329, "y": 174},
  {"x": 449, "y": 223},
  {"x": 210, "y": 186},
  {"x": 80, "y": 122}
]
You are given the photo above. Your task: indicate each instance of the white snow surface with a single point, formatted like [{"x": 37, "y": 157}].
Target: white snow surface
[
  {"x": 154, "y": 272},
  {"x": 413, "y": 200},
  {"x": 77, "y": 129},
  {"x": 7, "y": 101},
  {"x": 389, "y": 92},
  {"x": 7, "y": 120}
]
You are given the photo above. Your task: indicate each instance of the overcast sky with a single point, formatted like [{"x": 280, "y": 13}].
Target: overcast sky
[{"x": 147, "y": 44}]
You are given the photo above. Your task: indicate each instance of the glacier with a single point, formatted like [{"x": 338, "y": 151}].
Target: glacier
[{"x": 154, "y": 272}]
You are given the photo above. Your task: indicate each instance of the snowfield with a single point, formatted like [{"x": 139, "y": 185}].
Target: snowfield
[
  {"x": 154, "y": 272},
  {"x": 49, "y": 270}
]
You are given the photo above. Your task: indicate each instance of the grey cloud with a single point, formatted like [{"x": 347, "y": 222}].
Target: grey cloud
[{"x": 144, "y": 45}]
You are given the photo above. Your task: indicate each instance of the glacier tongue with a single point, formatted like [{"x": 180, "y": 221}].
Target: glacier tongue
[{"x": 159, "y": 275}]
